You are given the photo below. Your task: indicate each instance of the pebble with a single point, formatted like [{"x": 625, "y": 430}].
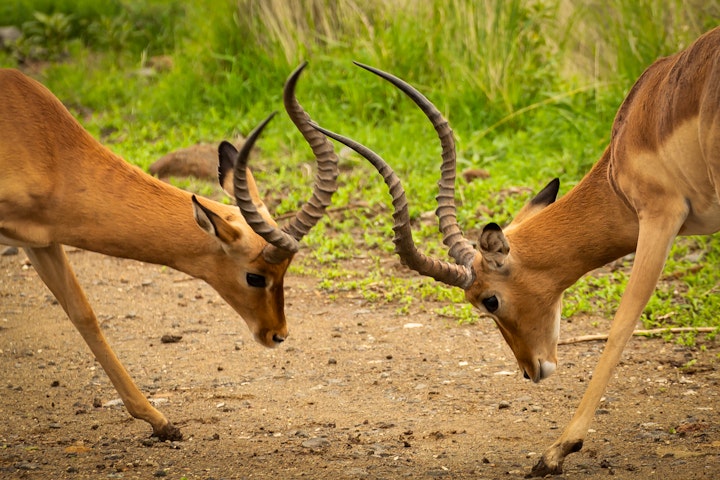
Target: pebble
[
  {"x": 317, "y": 442},
  {"x": 379, "y": 450},
  {"x": 170, "y": 338},
  {"x": 7, "y": 251},
  {"x": 412, "y": 325}
]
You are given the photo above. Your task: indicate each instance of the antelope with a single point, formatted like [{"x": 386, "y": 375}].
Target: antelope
[
  {"x": 60, "y": 186},
  {"x": 658, "y": 178}
]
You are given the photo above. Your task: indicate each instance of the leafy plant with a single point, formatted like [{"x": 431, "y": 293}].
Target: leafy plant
[{"x": 45, "y": 36}]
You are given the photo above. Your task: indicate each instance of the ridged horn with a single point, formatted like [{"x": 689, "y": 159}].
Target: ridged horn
[
  {"x": 327, "y": 165},
  {"x": 460, "y": 249},
  {"x": 283, "y": 243},
  {"x": 446, "y": 272}
]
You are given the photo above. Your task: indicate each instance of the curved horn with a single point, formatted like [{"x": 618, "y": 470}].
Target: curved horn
[
  {"x": 459, "y": 247},
  {"x": 281, "y": 241},
  {"x": 285, "y": 242},
  {"x": 327, "y": 168},
  {"x": 449, "y": 273}
]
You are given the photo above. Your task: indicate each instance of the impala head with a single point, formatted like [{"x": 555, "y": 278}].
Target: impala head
[
  {"x": 516, "y": 296},
  {"x": 257, "y": 250},
  {"x": 493, "y": 275}
]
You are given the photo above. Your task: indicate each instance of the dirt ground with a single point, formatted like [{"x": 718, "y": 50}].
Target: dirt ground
[{"x": 357, "y": 391}]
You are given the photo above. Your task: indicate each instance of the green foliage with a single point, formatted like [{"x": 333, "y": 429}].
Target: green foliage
[
  {"x": 17, "y": 12},
  {"x": 462, "y": 312},
  {"x": 530, "y": 87},
  {"x": 46, "y": 35},
  {"x": 49, "y": 27}
]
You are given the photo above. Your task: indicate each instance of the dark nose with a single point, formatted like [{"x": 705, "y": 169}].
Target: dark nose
[
  {"x": 278, "y": 339},
  {"x": 525, "y": 375}
]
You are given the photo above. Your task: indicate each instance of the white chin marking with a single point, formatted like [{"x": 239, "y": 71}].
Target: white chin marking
[{"x": 547, "y": 368}]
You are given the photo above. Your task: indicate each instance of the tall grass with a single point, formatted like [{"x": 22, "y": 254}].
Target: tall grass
[
  {"x": 614, "y": 40},
  {"x": 488, "y": 52}
]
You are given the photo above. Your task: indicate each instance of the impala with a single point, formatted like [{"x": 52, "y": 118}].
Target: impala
[
  {"x": 59, "y": 186},
  {"x": 657, "y": 179}
]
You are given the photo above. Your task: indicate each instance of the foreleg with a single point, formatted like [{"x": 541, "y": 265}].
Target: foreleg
[
  {"x": 53, "y": 268},
  {"x": 654, "y": 241}
]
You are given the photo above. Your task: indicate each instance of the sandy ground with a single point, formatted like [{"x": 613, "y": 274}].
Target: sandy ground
[{"x": 353, "y": 393}]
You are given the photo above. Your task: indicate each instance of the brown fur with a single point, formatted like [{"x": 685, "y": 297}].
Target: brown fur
[
  {"x": 61, "y": 187},
  {"x": 657, "y": 179}
]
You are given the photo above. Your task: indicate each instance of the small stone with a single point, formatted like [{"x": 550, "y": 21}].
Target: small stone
[
  {"x": 9, "y": 35},
  {"x": 7, "y": 251},
  {"x": 170, "y": 338},
  {"x": 149, "y": 442},
  {"x": 317, "y": 442},
  {"x": 503, "y": 405}
]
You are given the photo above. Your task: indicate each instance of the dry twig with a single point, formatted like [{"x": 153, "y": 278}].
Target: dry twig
[{"x": 639, "y": 333}]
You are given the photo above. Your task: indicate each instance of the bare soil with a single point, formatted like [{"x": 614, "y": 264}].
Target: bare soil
[{"x": 357, "y": 391}]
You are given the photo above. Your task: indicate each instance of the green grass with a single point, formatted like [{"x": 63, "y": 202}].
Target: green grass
[{"x": 530, "y": 88}]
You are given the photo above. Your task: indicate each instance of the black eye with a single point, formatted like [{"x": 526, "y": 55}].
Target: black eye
[
  {"x": 255, "y": 280},
  {"x": 491, "y": 303}
]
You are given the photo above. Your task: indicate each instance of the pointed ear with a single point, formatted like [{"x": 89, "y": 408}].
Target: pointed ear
[
  {"x": 493, "y": 246},
  {"x": 546, "y": 196},
  {"x": 214, "y": 224},
  {"x": 227, "y": 154}
]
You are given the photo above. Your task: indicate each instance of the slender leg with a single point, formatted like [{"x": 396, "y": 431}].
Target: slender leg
[
  {"x": 654, "y": 241},
  {"x": 53, "y": 268}
]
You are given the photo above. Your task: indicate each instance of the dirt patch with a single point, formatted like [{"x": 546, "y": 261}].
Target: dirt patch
[{"x": 357, "y": 391}]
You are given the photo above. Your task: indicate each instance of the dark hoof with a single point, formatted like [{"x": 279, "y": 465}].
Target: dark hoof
[
  {"x": 541, "y": 469},
  {"x": 168, "y": 432}
]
